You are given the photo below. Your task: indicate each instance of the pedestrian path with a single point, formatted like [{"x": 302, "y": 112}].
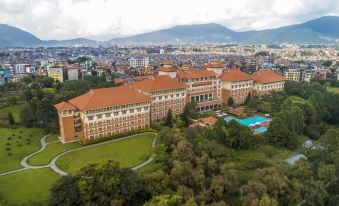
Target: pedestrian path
[{"x": 25, "y": 165}]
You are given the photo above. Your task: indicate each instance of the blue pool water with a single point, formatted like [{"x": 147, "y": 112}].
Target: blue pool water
[
  {"x": 261, "y": 129},
  {"x": 248, "y": 121}
]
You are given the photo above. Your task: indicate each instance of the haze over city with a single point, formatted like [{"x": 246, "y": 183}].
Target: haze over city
[{"x": 104, "y": 19}]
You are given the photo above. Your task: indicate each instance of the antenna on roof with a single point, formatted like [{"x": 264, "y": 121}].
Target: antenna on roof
[{"x": 91, "y": 92}]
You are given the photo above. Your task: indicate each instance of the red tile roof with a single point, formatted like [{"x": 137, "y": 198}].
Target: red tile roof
[
  {"x": 64, "y": 106},
  {"x": 235, "y": 75},
  {"x": 167, "y": 62},
  {"x": 209, "y": 120},
  {"x": 167, "y": 69},
  {"x": 158, "y": 83},
  {"x": 266, "y": 77},
  {"x": 195, "y": 73},
  {"x": 106, "y": 97}
]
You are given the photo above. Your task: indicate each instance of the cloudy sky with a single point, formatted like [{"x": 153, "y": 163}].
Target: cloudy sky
[{"x": 103, "y": 19}]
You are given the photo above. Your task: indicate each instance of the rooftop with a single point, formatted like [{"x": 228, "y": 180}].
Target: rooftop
[
  {"x": 158, "y": 83},
  {"x": 195, "y": 73},
  {"x": 106, "y": 97},
  {"x": 266, "y": 76},
  {"x": 235, "y": 75}
]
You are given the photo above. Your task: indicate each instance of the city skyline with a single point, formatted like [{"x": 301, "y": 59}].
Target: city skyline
[{"x": 103, "y": 20}]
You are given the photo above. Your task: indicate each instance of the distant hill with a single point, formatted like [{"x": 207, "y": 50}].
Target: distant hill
[
  {"x": 13, "y": 37},
  {"x": 324, "y": 30},
  {"x": 196, "y": 34}
]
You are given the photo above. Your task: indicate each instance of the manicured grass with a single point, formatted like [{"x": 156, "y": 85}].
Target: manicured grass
[
  {"x": 52, "y": 150},
  {"x": 29, "y": 186},
  {"x": 14, "y": 148},
  {"x": 333, "y": 89},
  {"x": 15, "y": 110},
  {"x": 52, "y": 138},
  {"x": 128, "y": 152}
]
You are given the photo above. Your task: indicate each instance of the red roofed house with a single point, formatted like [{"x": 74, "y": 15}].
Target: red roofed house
[
  {"x": 266, "y": 81},
  {"x": 103, "y": 112},
  {"x": 235, "y": 84},
  {"x": 166, "y": 93},
  {"x": 203, "y": 87}
]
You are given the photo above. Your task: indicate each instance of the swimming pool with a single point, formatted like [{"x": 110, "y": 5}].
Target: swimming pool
[
  {"x": 248, "y": 121},
  {"x": 261, "y": 129}
]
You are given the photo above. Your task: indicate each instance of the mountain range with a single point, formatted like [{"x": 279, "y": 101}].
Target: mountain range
[{"x": 324, "y": 30}]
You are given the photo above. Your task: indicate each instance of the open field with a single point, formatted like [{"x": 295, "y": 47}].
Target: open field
[
  {"x": 129, "y": 152},
  {"x": 52, "y": 138},
  {"x": 29, "y": 187},
  {"x": 15, "y": 144},
  {"x": 52, "y": 150}
]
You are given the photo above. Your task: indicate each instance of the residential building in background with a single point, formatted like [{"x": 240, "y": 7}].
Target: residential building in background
[
  {"x": 73, "y": 74},
  {"x": 138, "y": 62},
  {"x": 293, "y": 75},
  {"x": 56, "y": 73}
]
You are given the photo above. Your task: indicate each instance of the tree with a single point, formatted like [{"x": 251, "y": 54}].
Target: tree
[
  {"x": 248, "y": 98},
  {"x": 169, "y": 119},
  {"x": 314, "y": 193},
  {"x": 230, "y": 101},
  {"x": 265, "y": 200},
  {"x": 65, "y": 192},
  {"x": 185, "y": 116},
  {"x": 277, "y": 132},
  {"x": 11, "y": 120},
  {"x": 165, "y": 200}
]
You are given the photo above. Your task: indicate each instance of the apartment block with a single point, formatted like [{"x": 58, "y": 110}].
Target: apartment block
[{"x": 56, "y": 73}]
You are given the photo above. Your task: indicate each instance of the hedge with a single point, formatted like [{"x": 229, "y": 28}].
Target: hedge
[{"x": 103, "y": 139}]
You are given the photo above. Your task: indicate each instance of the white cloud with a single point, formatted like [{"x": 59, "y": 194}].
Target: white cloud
[{"x": 62, "y": 19}]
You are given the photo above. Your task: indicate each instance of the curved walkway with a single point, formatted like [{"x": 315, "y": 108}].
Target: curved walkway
[
  {"x": 53, "y": 166},
  {"x": 52, "y": 163}
]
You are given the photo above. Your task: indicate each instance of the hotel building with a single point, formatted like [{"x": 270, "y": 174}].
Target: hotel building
[
  {"x": 236, "y": 84},
  {"x": 203, "y": 87},
  {"x": 103, "y": 112},
  {"x": 266, "y": 81},
  {"x": 107, "y": 111},
  {"x": 166, "y": 93}
]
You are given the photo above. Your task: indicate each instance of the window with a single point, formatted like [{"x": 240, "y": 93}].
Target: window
[
  {"x": 124, "y": 111},
  {"x": 108, "y": 114},
  {"x": 116, "y": 113},
  {"x": 108, "y": 121},
  {"x": 100, "y": 123},
  {"x": 90, "y": 117},
  {"x": 99, "y": 129},
  {"x": 90, "y": 124},
  {"x": 99, "y": 116},
  {"x": 139, "y": 109},
  {"x": 145, "y": 108},
  {"x": 131, "y": 110}
]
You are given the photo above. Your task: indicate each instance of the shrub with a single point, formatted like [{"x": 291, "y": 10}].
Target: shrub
[
  {"x": 28, "y": 143},
  {"x": 31, "y": 135},
  {"x": 28, "y": 139},
  {"x": 8, "y": 143},
  {"x": 103, "y": 139},
  {"x": 19, "y": 145},
  {"x": 21, "y": 131},
  {"x": 17, "y": 141},
  {"x": 13, "y": 134},
  {"x": 9, "y": 154},
  {"x": 8, "y": 149},
  {"x": 9, "y": 138},
  {"x": 19, "y": 137}
]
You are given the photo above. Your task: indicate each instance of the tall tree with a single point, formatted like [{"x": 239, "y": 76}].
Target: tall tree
[
  {"x": 230, "y": 101},
  {"x": 185, "y": 116},
  {"x": 169, "y": 119}
]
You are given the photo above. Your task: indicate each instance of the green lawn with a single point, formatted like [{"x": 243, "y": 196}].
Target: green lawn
[
  {"x": 333, "y": 89},
  {"x": 14, "y": 148},
  {"x": 51, "y": 151},
  {"x": 52, "y": 138},
  {"x": 29, "y": 186},
  {"x": 128, "y": 152},
  {"x": 15, "y": 110}
]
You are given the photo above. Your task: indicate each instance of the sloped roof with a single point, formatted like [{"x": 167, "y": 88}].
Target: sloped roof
[
  {"x": 235, "y": 75},
  {"x": 158, "y": 83},
  {"x": 64, "y": 106},
  {"x": 266, "y": 76},
  {"x": 106, "y": 97},
  {"x": 167, "y": 69},
  {"x": 195, "y": 73}
]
